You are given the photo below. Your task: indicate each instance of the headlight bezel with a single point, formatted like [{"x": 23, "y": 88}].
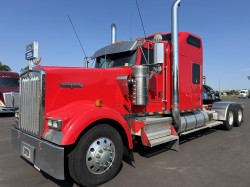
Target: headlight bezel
[{"x": 54, "y": 123}]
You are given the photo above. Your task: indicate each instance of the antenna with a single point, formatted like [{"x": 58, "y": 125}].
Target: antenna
[
  {"x": 85, "y": 57},
  {"x": 140, "y": 18},
  {"x": 130, "y": 25}
]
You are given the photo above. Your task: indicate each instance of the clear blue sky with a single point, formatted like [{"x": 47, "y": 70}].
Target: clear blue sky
[{"x": 224, "y": 26}]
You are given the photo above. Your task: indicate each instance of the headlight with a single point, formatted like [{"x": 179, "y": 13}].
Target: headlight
[
  {"x": 55, "y": 124},
  {"x": 2, "y": 104}
]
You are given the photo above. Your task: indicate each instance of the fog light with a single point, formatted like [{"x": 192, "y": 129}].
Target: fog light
[
  {"x": 50, "y": 123},
  {"x": 55, "y": 124}
]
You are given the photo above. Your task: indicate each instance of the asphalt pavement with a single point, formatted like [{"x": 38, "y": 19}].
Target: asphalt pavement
[{"x": 211, "y": 157}]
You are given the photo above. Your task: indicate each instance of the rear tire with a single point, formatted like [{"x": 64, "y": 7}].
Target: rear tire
[
  {"x": 97, "y": 157},
  {"x": 230, "y": 118},
  {"x": 238, "y": 115}
]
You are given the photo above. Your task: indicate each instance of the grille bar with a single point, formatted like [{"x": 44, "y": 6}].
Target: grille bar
[{"x": 30, "y": 104}]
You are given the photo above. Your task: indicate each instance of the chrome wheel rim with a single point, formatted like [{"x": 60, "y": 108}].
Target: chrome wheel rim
[
  {"x": 100, "y": 155},
  {"x": 240, "y": 115},
  {"x": 230, "y": 118}
]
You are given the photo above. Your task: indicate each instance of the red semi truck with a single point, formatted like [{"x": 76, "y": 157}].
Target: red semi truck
[
  {"x": 84, "y": 119},
  {"x": 9, "y": 92}
]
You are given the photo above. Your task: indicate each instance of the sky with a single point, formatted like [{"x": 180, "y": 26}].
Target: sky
[{"x": 223, "y": 25}]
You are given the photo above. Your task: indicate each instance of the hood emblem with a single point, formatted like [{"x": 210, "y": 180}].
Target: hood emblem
[{"x": 71, "y": 85}]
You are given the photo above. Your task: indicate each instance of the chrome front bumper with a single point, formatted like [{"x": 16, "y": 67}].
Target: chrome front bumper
[
  {"x": 8, "y": 109},
  {"x": 42, "y": 154}
]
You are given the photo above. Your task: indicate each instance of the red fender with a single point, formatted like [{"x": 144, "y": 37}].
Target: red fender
[{"x": 81, "y": 114}]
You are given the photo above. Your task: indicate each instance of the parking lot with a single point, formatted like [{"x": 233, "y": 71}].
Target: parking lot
[{"x": 212, "y": 157}]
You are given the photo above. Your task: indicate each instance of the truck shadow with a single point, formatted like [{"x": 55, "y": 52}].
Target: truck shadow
[
  {"x": 68, "y": 182},
  {"x": 149, "y": 152},
  {"x": 7, "y": 115},
  {"x": 198, "y": 134}
]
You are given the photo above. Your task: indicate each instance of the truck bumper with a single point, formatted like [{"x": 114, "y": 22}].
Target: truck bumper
[
  {"x": 43, "y": 155},
  {"x": 8, "y": 109}
]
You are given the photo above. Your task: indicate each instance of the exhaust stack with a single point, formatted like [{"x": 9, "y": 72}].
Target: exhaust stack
[
  {"x": 113, "y": 33},
  {"x": 175, "y": 65}
]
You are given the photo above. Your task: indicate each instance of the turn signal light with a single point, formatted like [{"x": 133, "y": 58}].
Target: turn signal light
[{"x": 98, "y": 103}]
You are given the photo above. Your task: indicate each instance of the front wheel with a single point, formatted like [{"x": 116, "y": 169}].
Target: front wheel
[{"x": 97, "y": 157}]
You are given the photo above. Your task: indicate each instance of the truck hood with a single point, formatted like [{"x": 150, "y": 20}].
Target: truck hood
[{"x": 65, "y": 85}]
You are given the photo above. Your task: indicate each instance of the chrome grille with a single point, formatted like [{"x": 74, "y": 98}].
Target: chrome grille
[
  {"x": 11, "y": 99},
  {"x": 31, "y": 104}
]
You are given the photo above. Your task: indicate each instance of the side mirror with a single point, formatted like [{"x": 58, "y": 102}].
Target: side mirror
[{"x": 158, "y": 50}]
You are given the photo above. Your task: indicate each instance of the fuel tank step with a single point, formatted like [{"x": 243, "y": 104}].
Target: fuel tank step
[
  {"x": 163, "y": 139},
  {"x": 158, "y": 130}
]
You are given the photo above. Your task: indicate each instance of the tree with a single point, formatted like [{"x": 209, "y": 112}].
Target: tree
[{"x": 4, "y": 67}]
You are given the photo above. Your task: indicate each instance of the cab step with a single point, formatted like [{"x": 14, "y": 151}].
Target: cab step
[{"x": 158, "y": 130}]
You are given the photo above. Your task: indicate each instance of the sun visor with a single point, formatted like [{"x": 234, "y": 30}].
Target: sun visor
[{"x": 117, "y": 47}]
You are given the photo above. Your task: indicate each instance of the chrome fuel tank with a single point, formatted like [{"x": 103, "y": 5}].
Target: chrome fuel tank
[{"x": 190, "y": 121}]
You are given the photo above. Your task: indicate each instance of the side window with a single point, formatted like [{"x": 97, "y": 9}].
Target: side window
[
  {"x": 147, "y": 56},
  {"x": 194, "y": 41},
  {"x": 196, "y": 73}
]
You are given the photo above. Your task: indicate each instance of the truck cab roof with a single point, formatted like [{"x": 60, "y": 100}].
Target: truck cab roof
[{"x": 6, "y": 74}]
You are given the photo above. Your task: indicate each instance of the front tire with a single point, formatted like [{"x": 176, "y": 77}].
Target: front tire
[
  {"x": 97, "y": 157},
  {"x": 230, "y": 116}
]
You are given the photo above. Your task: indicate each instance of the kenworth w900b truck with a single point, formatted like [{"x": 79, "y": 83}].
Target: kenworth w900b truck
[{"x": 83, "y": 119}]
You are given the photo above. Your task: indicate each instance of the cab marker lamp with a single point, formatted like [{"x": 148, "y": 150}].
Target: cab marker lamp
[
  {"x": 55, "y": 124},
  {"x": 98, "y": 103}
]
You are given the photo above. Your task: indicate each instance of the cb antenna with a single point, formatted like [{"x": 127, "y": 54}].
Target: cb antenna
[
  {"x": 140, "y": 18},
  {"x": 85, "y": 57}
]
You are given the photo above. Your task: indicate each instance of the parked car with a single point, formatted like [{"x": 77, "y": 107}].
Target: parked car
[
  {"x": 9, "y": 92},
  {"x": 209, "y": 95},
  {"x": 244, "y": 93}
]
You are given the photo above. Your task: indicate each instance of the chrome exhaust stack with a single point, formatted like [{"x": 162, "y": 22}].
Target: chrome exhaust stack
[
  {"x": 113, "y": 33},
  {"x": 175, "y": 65}
]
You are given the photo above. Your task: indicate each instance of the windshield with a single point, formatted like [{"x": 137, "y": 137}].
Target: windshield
[
  {"x": 116, "y": 60},
  {"x": 14, "y": 82},
  {"x": 243, "y": 92},
  {"x": 208, "y": 88}
]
